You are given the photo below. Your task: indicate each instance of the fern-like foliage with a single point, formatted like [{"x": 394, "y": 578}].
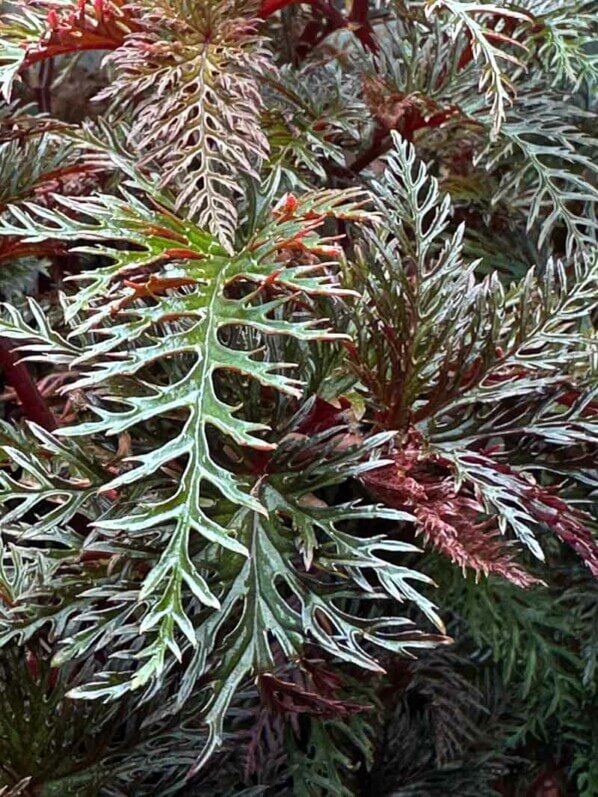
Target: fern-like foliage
[
  {"x": 18, "y": 29},
  {"x": 199, "y": 312},
  {"x": 193, "y": 69},
  {"x": 564, "y": 36},
  {"x": 552, "y": 179},
  {"x": 441, "y": 352},
  {"x": 38, "y": 32},
  {"x": 230, "y": 413},
  {"x": 491, "y": 48},
  {"x": 308, "y": 125}
]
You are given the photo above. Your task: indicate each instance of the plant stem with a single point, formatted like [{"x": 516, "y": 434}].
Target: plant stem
[
  {"x": 18, "y": 377},
  {"x": 336, "y": 20},
  {"x": 359, "y": 14},
  {"x": 381, "y": 144}
]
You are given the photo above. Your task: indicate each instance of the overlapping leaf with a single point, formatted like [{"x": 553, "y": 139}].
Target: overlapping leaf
[
  {"x": 192, "y": 71},
  {"x": 182, "y": 313},
  {"x": 468, "y": 365}
]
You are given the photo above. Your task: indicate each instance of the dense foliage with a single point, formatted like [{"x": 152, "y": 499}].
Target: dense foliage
[{"x": 298, "y": 458}]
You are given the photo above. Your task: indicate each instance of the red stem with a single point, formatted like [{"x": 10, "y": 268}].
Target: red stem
[
  {"x": 19, "y": 378},
  {"x": 359, "y": 11},
  {"x": 337, "y": 20},
  {"x": 270, "y": 7},
  {"x": 53, "y": 50},
  {"x": 359, "y": 14},
  {"x": 328, "y": 10},
  {"x": 380, "y": 145}
]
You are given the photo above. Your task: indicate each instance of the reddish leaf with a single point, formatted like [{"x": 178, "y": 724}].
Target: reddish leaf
[
  {"x": 102, "y": 27},
  {"x": 449, "y": 517}
]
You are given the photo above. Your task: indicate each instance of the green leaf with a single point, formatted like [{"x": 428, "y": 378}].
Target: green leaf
[
  {"x": 472, "y": 19},
  {"x": 188, "y": 319},
  {"x": 273, "y": 602},
  {"x": 546, "y": 168}
]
